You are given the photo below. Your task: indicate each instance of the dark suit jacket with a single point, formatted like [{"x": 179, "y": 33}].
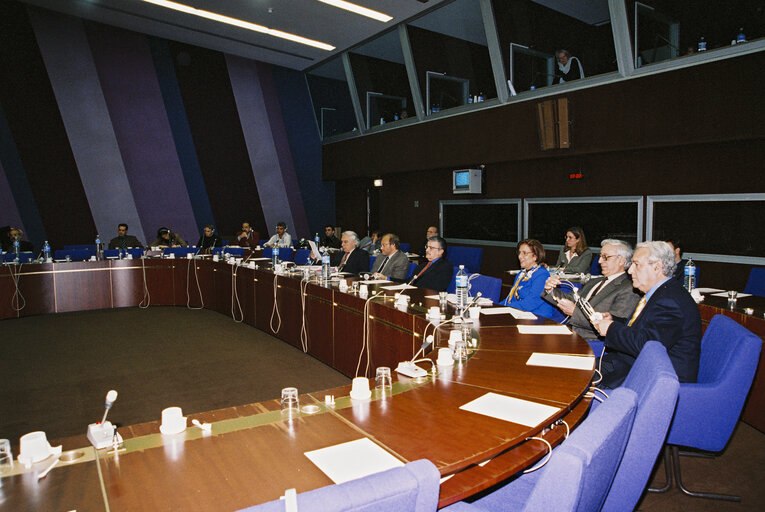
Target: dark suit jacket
[
  {"x": 397, "y": 267},
  {"x": 437, "y": 277},
  {"x": 250, "y": 241},
  {"x": 618, "y": 298},
  {"x": 670, "y": 317},
  {"x": 358, "y": 261},
  {"x": 128, "y": 241}
]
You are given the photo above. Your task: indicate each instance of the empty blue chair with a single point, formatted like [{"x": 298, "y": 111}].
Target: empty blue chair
[
  {"x": 654, "y": 381},
  {"x": 405, "y": 247},
  {"x": 74, "y": 254},
  {"x": 268, "y": 252},
  {"x": 490, "y": 287},
  {"x": 708, "y": 410},
  {"x": 580, "y": 471},
  {"x": 756, "y": 282},
  {"x": 302, "y": 256},
  {"x": 452, "y": 288},
  {"x": 24, "y": 257},
  {"x": 410, "y": 273},
  {"x": 286, "y": 253},
  {"x": 263, "y": 241},
  {"x": 372, "y": 262},
  {"x": 471, "y": 257},
  {"x": 411, "y": 488},
  {"x": 595, "y": 266}
]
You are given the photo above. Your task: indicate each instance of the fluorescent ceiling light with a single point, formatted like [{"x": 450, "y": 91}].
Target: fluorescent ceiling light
[
  {"x": 369, "y": 13},
  {"x": 241, "y": 24}
]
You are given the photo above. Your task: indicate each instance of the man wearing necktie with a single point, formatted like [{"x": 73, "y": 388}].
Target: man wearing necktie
[
  {"x": 612, "y": 293},
  {"x": 666, "y": 313},
  {"x": 351, "y": 259},
  {"x": 437, "y": 272},
  {"x": 392, "y": 263},
  {"x": 123, "y": 240}
]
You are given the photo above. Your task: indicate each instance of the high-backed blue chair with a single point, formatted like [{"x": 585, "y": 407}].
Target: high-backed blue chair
[
  {"x": 708, "y": 410},
  {"x": 595, "y": 265},
  {"x": 580, "y": 471},
  {"x": 490, "y": 287},
  {"x": 411, "y": 488},
  {"x": 654, "y": 381},
  {"x": 410, "y": 273},
  {"x": 405, "y": 246},
  {"x": 756, "y": 282},
  {"x": 24, "y": 257},
  {"x": 471, "y": 257},
  {"x": 372, "y": 262},
  {"x": 74, "y": 254},
  {"x": 301, "y": 256}
]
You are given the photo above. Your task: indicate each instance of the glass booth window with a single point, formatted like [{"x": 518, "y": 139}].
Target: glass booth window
[
  {"x": 547, "y": 42},
  {"x": 451, "y": 56},
  {"x": 668, "y": 29},
  {"x": 381, "y": 80},
  {"x": 331, "y": 98}
]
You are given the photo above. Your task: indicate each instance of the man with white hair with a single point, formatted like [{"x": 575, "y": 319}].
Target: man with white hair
[
  {"x": 612, "y": 293},
  {"x": 351, "y": 259},
  {"x": 666, "y": 314}
]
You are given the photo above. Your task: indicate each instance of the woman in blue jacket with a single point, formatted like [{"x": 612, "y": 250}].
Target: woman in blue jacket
[{"x": 529, "y": 284}]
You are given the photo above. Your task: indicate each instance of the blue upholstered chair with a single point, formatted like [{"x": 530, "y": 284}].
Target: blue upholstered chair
[
  {"x": 286, "y": 253},
  {"x": 490, "y": 287},
  {"x": 24, "y": 257},
  {"x": 372, "y": 262},
  {"x": 412, "y": 488},
  {"x": 595, "y": 265},
  {"x": 74, "y": 254},
  {"x": 471, "y": 257},
  {"x": 410, "y": 273},
  {"x": 655, "y": 383},
  {"x": 756, "y": 282},
  {"x": 405, "y": 247},
  {"x": 708, "y": 410},
  {"x": 302, "y": 256},
  {"x": 580, "y": 471}
]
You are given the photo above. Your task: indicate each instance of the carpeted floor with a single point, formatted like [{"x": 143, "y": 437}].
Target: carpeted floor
[{"x": 58, "y": 368}]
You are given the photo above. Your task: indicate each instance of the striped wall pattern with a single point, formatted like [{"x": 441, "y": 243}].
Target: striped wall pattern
[{"x": 100, "y": 125}]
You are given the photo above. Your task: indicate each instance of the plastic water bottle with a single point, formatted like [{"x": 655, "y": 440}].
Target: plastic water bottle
[
  {"x": 16, "y": 246},
  {"x": 462, "y": 288},
  {"x": 316, "y": 239},
  {"x": 702, "y": 44},
  {"x": 275, "y": 258},
  {"x": 46, "y": 251},
  {"x": 741, "y": 37},
  {"x": 98, "y": 247},
  {"x": 689, "y": 280},
  {"x": 325, "y": 270}
]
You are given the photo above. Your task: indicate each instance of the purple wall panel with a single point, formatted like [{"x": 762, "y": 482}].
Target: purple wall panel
[
  {"x": 9, "y": 213},
  {"x": 133, "y": 97}
]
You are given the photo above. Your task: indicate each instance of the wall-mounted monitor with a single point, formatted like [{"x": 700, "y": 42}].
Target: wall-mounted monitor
[{"x": 467, "y": 181}]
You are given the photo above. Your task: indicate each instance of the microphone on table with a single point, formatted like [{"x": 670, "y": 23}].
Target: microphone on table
[
  {"x": 103, "y": 434},
  {"x": 424, "y": 345},
  {"x": 470, "y": 304},
  {"x": 111, "y": 397}
]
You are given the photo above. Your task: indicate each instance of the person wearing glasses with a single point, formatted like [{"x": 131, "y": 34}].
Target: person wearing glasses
[
  {"x": 436, "y": 273},
  {"x": 281, "y": 238},
  {"x": 392, "y": 264},
  {"x": 666, "y": 313},
  {"x": 576, "y": 257},
  {"x": 351, "y": 259},
  {"x": 526, "y": 293},
  {"x": 612, "y": 293}
]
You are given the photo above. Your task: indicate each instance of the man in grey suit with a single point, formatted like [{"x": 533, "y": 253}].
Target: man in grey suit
[
  {"x": 392, "y": 263},
  {"x": 612, "y": 293}
]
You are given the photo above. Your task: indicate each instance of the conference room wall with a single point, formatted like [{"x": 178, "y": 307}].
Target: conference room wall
[
  {"x": 690, "y": 131},
  {"x": 102, "y": 125}
]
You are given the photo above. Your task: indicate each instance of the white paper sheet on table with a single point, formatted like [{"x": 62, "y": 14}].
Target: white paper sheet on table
[
  {"x": 496, "y": 311},
  {"x": 374, "y": 281},
  {"x": 519, "y": 314},
  {"x": 725, "y": 294},
  {"x": 543, "y": 329},
  {"x": 510, "y": 409},
  {"x": 354, "y": 459},
  {"x": 260, "y": 259},
  {"x": 708, "y": 290},
  {"x": 433, "y": 297},
  {"x": 399, "y": 287},
  {"x": 561, "y": 361}
]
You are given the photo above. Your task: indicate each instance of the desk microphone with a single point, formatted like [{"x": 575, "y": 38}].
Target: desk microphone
[
  {"x": 111, "y": 397},
  {"x": 425, "y": 343}
]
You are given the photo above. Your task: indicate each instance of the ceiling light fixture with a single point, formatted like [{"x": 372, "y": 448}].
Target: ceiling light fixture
[
  {"x": 241, "y": 24},
  {"x": 369, "y": 13}
]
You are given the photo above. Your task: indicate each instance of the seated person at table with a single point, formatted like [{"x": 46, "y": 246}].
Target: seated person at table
[
  {"x": 16, "y": 234},
  {"x": 166, "y": 238},
  {"x": 666, "y": 314},
  {"x": 247, "y": 237},
  {"x": 329, "y": 239},
  {"x": 391, "y": 263},
  {"x": 430, "y": 233},
  {"x": 680, "y": 262},
  {"x": 281, "y": 238},
  {"x": 371, "y": 243},
  {"x": 526, "y": 293},
  {"x": 351, "y": 259},
  {"x": 123, "y": 240},
  {"x": 209, "y": 239},
  {"x": 612, "y": 293},
  {"x": 437, "y": 272},
  {"x": 576, "y": 257}
]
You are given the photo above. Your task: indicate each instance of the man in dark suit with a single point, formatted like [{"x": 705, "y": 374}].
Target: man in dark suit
[
  {"x": 123, "y": 240},
  {"x": 666, "y": 313},
  {"x": 612, "y": 293},
  {"x": 351, "y": 259},
  {"x": 437, "y": 272},
  {"x": 392, "y": 264}
]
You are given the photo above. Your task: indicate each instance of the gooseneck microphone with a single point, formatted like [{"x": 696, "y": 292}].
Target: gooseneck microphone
[
  {"x": 425, "y": 343},
  {"x": 111, "y": 397}
]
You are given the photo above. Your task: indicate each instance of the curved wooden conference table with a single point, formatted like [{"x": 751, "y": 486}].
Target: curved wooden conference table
[{"x": 253, "y": 452}]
